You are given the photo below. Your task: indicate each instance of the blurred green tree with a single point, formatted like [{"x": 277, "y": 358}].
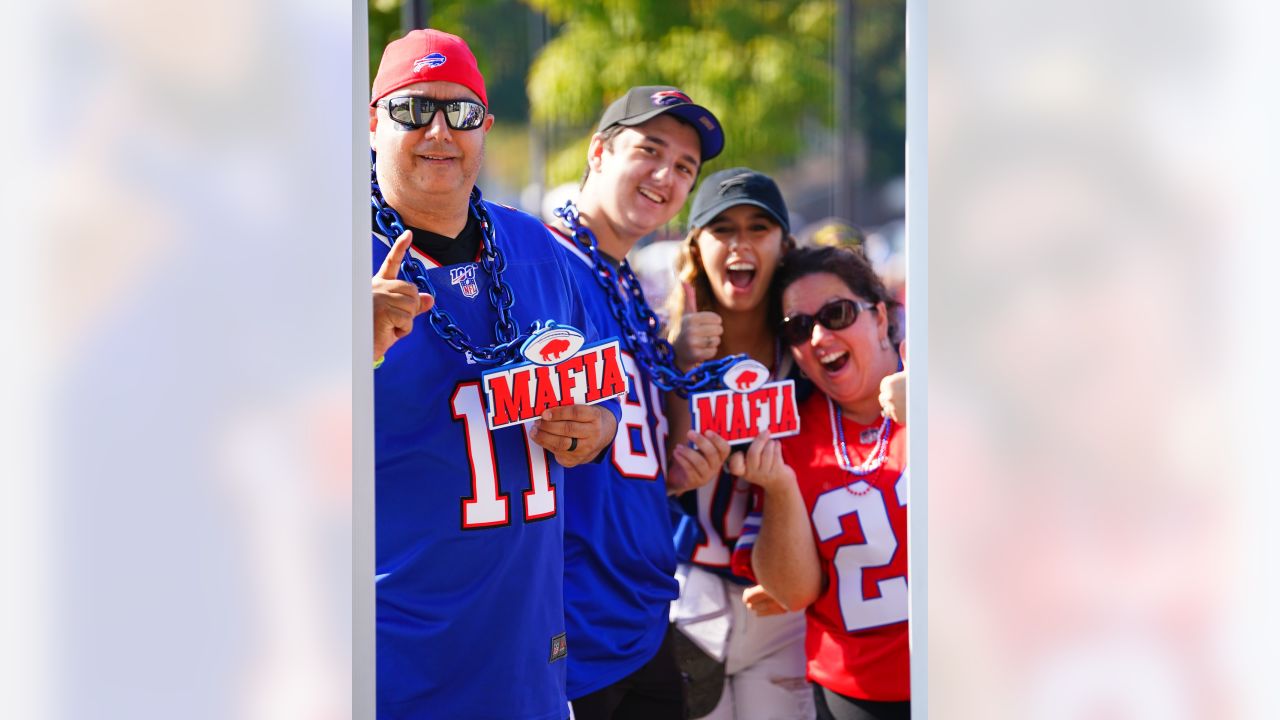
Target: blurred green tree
[{"x": 765, "y": 68}]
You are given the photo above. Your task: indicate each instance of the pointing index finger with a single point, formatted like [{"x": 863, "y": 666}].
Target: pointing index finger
[{"x": 391, "y": 264}]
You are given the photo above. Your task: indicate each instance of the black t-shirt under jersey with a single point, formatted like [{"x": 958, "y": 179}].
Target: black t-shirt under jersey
[{"x": 447, "y": 250}]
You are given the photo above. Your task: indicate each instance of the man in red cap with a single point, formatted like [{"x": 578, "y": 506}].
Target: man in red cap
[
  {"x": 427, "y": 176},
  {"x": 470, "y": 552}
]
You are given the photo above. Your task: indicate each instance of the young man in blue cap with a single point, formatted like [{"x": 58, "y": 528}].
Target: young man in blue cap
[{"x": 620, "y": 561}]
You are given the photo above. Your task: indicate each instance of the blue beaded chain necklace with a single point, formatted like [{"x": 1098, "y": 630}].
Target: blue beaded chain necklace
[
  {"x": 638, "y": 322},
  {"x": 509, "y": 338}
]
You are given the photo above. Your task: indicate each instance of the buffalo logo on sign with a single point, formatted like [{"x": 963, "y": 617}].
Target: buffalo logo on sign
[{"x": 552, "y": 345}]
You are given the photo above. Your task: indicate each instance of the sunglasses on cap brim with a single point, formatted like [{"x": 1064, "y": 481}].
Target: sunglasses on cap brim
[
  {"x": 835, "y": 315},
  {"x": 414, "y": 112}
]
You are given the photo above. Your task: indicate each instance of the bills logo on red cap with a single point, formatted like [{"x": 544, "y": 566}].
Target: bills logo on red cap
[
  {"x": 434, "y": 60},
  {"x": 669, "y": 97},
  {"x": 749, "y": 404}
]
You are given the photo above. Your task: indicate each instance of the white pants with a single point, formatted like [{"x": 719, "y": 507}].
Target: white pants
[{"x": 763, "y": 656}]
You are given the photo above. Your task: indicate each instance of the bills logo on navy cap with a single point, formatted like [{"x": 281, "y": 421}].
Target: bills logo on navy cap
[
  {"x": 641, "y": 104},
  {"x": 669, "y": 97}
]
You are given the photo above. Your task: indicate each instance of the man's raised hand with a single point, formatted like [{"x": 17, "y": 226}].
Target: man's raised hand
[{"x": 395, "y": 302}]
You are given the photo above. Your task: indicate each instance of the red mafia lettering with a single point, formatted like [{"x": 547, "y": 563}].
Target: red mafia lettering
[
  {"x": 522, "y": 393},
  {"x": 738, "y": 417}
]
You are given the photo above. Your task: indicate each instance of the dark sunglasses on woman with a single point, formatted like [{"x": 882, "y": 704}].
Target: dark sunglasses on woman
[
  {"x": 835, "y": 315},
  {"x": 415, "y": 112}
]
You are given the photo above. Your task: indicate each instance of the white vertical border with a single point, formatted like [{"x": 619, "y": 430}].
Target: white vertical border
[
  {"x": 363, "y": 628},
  {"x": 918, "y": 348}
]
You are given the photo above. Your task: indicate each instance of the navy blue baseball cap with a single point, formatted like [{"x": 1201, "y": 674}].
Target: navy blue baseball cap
[
  {"x": 738, "y": 186},
  {"x": 641, "y": 104}
]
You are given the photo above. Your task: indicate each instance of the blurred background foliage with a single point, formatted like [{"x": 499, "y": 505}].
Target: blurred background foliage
[{"x": 769, "y": 69}]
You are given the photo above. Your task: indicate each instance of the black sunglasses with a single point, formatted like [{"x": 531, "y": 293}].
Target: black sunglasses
[
  {"x": 415, "y": 112},
  {"x": 835, "y": 315}
]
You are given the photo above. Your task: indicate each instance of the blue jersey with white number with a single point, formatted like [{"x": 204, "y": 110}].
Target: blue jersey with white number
[
  {"x": 620, "y": 561},
  {"x": 470, "y": 522},
  {"x": 716, "y": 511}
]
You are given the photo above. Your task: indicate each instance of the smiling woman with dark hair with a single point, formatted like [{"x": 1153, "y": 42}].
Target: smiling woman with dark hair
[{"x": 833, "y": 535}]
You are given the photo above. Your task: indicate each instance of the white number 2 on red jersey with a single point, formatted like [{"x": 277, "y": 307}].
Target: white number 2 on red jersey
[
  {"x": 487, "y": 506},
  {"x": 860, "y": 612}
]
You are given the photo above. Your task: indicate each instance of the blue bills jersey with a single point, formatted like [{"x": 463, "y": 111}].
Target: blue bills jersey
[
  {"x": 620, "y": 561},
  {"x": 470, "y": 522}
]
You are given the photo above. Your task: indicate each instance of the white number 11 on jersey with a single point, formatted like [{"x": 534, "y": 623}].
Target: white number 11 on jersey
[{"x": 488, "y": 506}]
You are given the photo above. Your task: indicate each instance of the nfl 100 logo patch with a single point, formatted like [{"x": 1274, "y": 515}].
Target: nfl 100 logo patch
[{"x": 465, "y": 278}]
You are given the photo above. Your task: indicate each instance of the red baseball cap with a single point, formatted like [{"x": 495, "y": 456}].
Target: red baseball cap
[{"x": 426, "y": 56}]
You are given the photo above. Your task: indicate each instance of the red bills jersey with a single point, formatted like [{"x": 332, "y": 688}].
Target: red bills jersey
[{"x": 856, "y": 642}]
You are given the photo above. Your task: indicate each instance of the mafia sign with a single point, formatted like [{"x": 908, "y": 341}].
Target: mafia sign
[
  {"x": 747, "y": 405},
  {"x": 561, "y": 370}
]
